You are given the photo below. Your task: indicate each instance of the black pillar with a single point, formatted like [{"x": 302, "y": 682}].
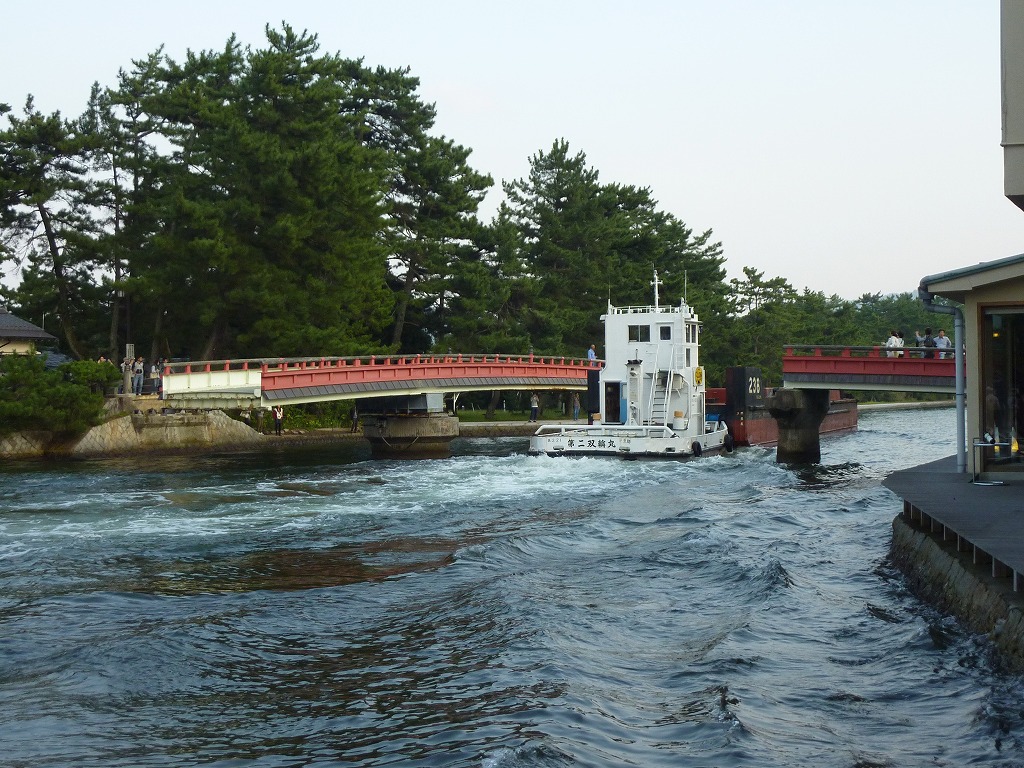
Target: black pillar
[{"x": 799, "y": 413}]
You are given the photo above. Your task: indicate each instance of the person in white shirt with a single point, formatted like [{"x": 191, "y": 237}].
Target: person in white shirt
[{"x": 891, "y": 343}]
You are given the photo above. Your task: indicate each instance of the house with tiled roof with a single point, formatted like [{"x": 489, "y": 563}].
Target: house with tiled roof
[{"x": 19, "y": 336}]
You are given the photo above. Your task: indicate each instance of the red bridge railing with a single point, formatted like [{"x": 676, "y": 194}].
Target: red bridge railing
[{"x": 839, "y": 360}]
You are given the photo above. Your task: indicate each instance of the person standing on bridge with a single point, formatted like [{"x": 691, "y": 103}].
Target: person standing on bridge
[
  {"x": 278, "y": 413},
  {"x": 891, "y": 343},
  {"x": 943, "y": 343},
  {"x": 592, "y": 354},
  {"x": 929, "y": 341}
]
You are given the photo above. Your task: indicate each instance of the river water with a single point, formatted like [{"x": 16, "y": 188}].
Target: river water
[{"x": 493, "y": 610}]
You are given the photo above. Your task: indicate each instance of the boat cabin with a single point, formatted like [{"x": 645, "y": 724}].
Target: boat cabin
[{"x": 651, "y": 365}]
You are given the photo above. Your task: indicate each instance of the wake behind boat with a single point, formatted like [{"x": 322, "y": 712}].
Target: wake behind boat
[{"x": 650, "y": 391}]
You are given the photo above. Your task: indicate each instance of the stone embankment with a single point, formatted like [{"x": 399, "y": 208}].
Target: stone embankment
[
  {"x": 138, "y": 432},
  {"x": 951, "y": 580},
  {"x": 137, "y": 427}
]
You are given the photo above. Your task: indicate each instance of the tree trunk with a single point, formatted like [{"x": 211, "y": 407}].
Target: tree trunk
[
  {"x": 213, "y": 341},
  {"x": 115, "y": 316},
  {"x": 59, "y": 276},
  {"x": 492, "y": 406},
  {"x": 158, "y": 330},
  {"x": 402, "y": 307}
]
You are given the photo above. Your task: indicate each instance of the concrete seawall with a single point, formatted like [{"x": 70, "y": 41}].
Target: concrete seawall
[{"x": 951, "y": 580}]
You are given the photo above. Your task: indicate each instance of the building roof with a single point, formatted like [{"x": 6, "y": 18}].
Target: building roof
[
  {"x": 957, "y": 283},
  {"x": 13, "y": 327}
]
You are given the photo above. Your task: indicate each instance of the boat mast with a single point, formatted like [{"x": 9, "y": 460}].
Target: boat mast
[{"x": 656, "y": 282}]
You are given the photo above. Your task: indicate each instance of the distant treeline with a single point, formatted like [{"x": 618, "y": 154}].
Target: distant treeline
[{"x": 282, "y": 202}]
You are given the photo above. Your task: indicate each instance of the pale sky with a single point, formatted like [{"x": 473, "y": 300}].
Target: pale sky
[{"x": 849, "y": 147}]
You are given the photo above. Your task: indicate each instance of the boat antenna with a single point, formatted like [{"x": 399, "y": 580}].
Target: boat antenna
[
  {"x": 656, "y": 282},
  {"x": 685, "y": 286}
]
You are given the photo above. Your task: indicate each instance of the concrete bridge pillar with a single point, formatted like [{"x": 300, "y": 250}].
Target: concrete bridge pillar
[
  {"x": 799, "y": 413},
  {"x": 411, "y": 436}
]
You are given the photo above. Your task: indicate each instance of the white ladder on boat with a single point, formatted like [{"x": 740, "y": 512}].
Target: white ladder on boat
[{"x": 660, "y": 398}]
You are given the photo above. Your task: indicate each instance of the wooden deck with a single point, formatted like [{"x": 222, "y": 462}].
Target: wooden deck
[{"x": 986, "y": 520}]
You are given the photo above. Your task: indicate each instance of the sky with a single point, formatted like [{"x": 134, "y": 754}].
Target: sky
[{"x": 848, "y": 147}]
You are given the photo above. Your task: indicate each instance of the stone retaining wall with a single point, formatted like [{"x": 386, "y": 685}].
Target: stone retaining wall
[
  {"x": 941, "y": 575},
  {"x": 24, "y": 445},
  {"x": 138, "y": 433}
]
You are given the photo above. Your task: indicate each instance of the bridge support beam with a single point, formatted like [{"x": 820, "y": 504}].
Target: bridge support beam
[
  {"x": 799, "y": 413},
  {"x": 411, "y": 436}
]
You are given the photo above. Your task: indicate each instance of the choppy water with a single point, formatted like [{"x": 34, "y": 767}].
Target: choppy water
[{"x": 493, "y": 610}]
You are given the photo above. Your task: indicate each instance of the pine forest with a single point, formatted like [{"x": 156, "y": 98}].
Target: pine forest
[{"x": 281, "y": 201}]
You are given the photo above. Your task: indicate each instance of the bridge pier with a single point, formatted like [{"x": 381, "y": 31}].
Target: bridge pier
[
  {"x": 408, "y": 426},
  {"x": 799, "y": 413},
  {"x": 410, "y": 436}
]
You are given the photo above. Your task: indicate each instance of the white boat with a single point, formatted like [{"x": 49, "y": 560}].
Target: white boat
[{"x": 649, "y": 397}]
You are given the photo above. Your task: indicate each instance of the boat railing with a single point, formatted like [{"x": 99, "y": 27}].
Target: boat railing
[
  {"x": 597, "y": 430},
  {"x": 648, "y": 310}
]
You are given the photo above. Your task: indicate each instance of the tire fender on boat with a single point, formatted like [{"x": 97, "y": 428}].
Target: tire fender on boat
[
  {"x": 696, "y": 448},
  {"x": 729, "y": 443}
]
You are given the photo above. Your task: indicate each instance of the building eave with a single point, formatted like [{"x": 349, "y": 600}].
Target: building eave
[{"x": 956, "y": 284}]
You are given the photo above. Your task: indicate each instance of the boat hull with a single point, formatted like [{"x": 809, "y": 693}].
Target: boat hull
[
  {"x": 628, "y": 441},
  {"x": 759, "y": 428}
]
